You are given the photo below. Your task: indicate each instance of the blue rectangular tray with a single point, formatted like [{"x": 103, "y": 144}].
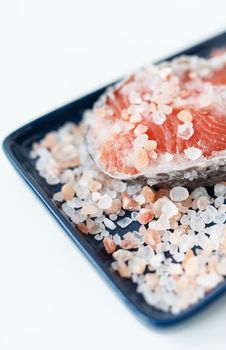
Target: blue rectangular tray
[{"x": 17, "y": 147}]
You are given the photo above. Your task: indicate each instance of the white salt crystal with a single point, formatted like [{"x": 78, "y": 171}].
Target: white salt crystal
[
  {"x": 156, "y": 260},
  {"x": 113, "y": 217},
  {"x": 198, "y": 192},
  {"x": 58, "y": 197},
  {"x": 178, "y": 194},
  {"x": 219, "y": 189},
  {"x": 105, "y": 202},
  {"x": 167, "y": 157},
  {"x": 178, "y": 257},
  {"x": 175, "y": 269},
  {"x": 75, "y": 203},
  {"x": 133, "y": 189},
  {"x": 119, "y": 186},
  {"x": 193, "y": 153},
  {"x": 124, "y": 222},
  {"x": 158, "y": 117},
  {"x": 117, "y": 239},
  {"x": 98, "y": 237},
  {"x": 219, "y": 201},
  {"x": 209, "y": 281},
  {"x": 169, "y": 209},
  {"x": 185, "y": 131},
  {"x": 109, "y": 224},
  {"x": 134, "y": 215}
]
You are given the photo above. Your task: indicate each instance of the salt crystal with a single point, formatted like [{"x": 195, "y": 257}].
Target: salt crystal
[
  {"x": 156, "y": 260},
  {"x": 185, "y": 116},
  {"x": 119, "y": 186},
  {"x": 179, "y": 194},
  {"x": 193, "y": 153},
  {"x": 134, "y": 97},
  {"x": 134, "y": 215},
  {"x": 203, "y": 202},
  {"x": 98, "y": 237},
  {"x": 178, "y": 257},
  {"x": 169, "y": 209},
  {"x": 75, "y": 203},
  {"x": 137, "y": 265},
  {"x": 209, "y": 281},
  {"x": 167, "y": 157},
  {"x": 198, "y": 192},
  {"x": 96, "y": 196},
  {"x": 219, "y": 189},
  {"x": 135, "y": 118},
  {"x": 140, "y": 129},
  {"x": 124, "y": 222},
  {"x": 117, "y": 239},
  {"x": 219, "y": 201},
  {"x": 122, "y": 254},
  {"x": 105, "y": 202},
  {"x": 113, "y": 217},
  {"x": 158, "y": 117},
  {"x": 185, "y": 131},
  {"x": 58, "y": 197},
  {"x": 109, "y": 224},
  {"x": 133, "y": 189}
]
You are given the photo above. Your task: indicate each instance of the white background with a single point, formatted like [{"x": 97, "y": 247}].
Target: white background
[{"x": 51, "y": 52}]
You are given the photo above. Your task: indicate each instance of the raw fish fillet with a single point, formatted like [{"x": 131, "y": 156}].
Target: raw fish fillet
[{"x": 165, "y": 124}]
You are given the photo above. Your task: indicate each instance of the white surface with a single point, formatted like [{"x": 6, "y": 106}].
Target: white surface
[{"x": 52, "y": 52}]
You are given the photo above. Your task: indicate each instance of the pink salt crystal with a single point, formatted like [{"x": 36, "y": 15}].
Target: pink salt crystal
[
  {"x": 129, "y": 203},
  {"x": 100, "y": 112},
  {"x": 83, "y": 228},
  {"x": 115, "y": 207},
  {"x": 123, "y": 269},
  {"x": 185, "y": 116},
  {"x": 94, "y": 185},
  {"x": 145, "y": 216},
  {"x": 152, "y": 280},
  {"x": 150, "y": 236},
  {"x": 92, "y": 226},
  {"x": 221, "y": 267},
  {"x": 89, "y": 209},
  {"x": 148, "y": 194},
  {"x": 50, "y": 140},
  {"x": 185, "y": 131},
  {"x": 157, "y": 206},
  {"x": 202, "y": 202},
  {"x": 182, "y": 283},
  {"x": 129, "y": 241},
  {"x": 122, "y": 255},
  {"x": 68, "y": 192},
  {"x": 212, "y": 264},
  {"x": 192, "y": 266},
  {"x": 109, "y": 245},
  {"x": 150, "y": 145},
  {"x": 141, "y": 159}
]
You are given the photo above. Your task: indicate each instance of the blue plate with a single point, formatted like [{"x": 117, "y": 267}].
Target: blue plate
[{"x": 17, "y": 147}]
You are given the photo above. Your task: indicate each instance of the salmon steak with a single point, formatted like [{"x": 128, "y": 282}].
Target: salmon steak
[{"x": 165, "y": 124}]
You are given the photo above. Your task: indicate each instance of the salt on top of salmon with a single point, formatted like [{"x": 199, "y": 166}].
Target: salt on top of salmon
[{"x": 174, "y": 111}]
